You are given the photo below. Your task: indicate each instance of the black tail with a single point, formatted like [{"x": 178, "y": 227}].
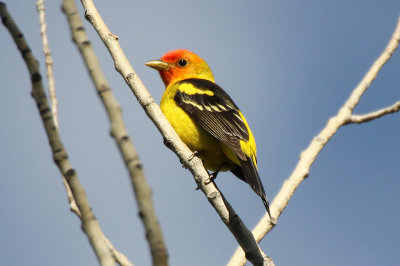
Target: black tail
[{"x": 248, "y": 173}]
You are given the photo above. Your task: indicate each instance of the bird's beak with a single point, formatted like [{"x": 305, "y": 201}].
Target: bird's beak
[{"x": 157, "y": 64}]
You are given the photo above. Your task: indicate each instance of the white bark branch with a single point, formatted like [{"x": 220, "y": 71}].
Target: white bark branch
[
  {"x": 122, "y": 139},
  {"x": 52, "y": 90},
  {"x": 358, "y": 119},
  {"x": 48, "y": 59},
  {"x": 308, "y": 156}
]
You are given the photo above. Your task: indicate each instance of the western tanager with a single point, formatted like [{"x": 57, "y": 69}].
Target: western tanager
[{"x": 207, "y": 119}]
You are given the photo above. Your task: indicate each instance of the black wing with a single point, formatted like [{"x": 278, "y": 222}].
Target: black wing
[{"x": 216, "y": 113}]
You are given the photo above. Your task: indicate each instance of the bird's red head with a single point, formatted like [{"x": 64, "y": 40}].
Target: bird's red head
[{"x": 179, "y": 65}]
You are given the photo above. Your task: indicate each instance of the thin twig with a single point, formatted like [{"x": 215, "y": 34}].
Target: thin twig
[
  {"x": 224, "y": 210},
  {"x": 52, "y": 90},
  {"x": 48, "y": 59},
  {"x": 119, "y": 257},
  {"x": 358, "y": 119},
  {"x": 89, "y": 223},
  {"x": 70, "y": 197},
  {"x": 309, "y": 155},
  {"x": 120, "y": 134}
]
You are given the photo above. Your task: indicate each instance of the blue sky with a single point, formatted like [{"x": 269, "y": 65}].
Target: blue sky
[{"x": 289, "y": 65}]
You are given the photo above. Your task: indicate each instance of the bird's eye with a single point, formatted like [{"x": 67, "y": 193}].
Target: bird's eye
[{"x": 183, "y": 62}]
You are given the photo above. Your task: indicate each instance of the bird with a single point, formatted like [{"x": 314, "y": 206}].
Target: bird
[{"x": 206, "y": 118}]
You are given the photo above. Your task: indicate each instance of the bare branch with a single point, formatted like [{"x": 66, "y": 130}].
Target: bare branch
[
  {"x": 48, "y": 59},
  {"x": 52, "y": 90},
  {"x": 120, "y": 134},
  {"x": 224, "y": 210},
  {"x": 358, "y": 119},
  {"x": 119, "y": 257},
  {"x": 89, "y": 223},
  {"x": 70, "y": 197},
  {"x": 309, "y": 155}
]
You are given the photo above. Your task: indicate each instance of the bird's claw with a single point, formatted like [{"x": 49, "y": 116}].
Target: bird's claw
[
  {"x": 192, "y": 155},
  {"x": 211, "y": 178}
]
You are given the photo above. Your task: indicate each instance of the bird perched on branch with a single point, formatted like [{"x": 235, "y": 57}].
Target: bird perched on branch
[{"x": 206, "y": 118}]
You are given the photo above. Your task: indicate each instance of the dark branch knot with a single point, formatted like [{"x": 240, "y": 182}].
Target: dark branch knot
[{"x": 130, "y": 76}]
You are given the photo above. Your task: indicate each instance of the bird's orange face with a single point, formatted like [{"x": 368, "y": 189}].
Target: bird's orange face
[{"x": 179, "y": 65}]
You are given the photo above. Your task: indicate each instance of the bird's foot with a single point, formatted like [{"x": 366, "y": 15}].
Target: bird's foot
[
  {"x": 211, "y": 178},
  {"x": 195, "y": 153}
]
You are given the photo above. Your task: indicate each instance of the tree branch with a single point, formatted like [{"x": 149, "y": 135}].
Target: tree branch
[
  {"x": 308, "y": 156},
  {"x": 118, "y": 130},
  {"x": 48, "y": 58},
  {"x": 358, "y": 119},
  {"x": 224, "y": 210},
  {"x": 89, "y": 223},
  {"x": 52, "y": 90}
]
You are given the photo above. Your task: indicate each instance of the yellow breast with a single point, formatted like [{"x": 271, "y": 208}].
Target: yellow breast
[{"x": 209, "y": 149}]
